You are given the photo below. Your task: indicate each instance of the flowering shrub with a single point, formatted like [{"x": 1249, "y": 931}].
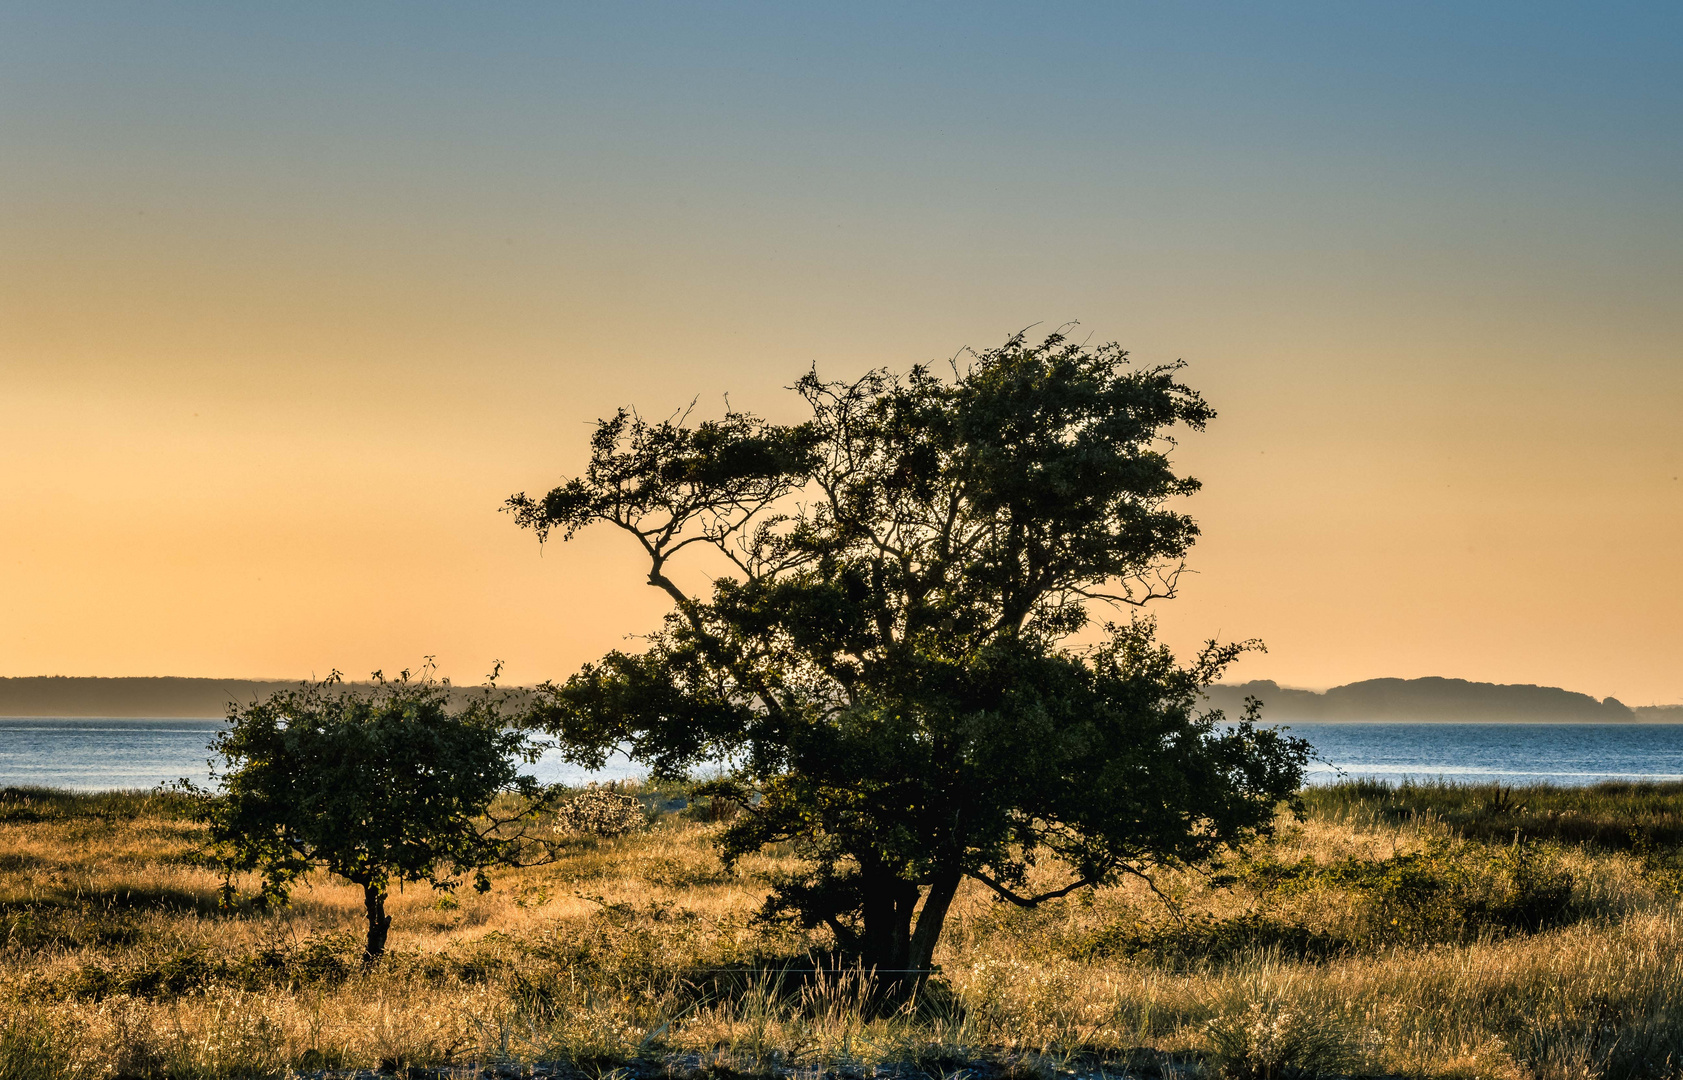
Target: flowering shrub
[
  {"x": 1271, "y": 1043},
  {"x": 601, "y": 812}
]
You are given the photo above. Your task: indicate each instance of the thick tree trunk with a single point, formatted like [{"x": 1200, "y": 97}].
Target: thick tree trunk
[
  {"x": 374, "y": 904},
  {"x": 887, "y": 915},
  {"x": 932, "y": 918},
  {"x": 898, "y": 953}
]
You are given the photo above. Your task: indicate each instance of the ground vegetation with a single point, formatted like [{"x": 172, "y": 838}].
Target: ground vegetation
[{"x": 1389, "y": 932}]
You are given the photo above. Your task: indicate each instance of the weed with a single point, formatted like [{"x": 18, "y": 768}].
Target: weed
[{"x": 34, "y": 1045}]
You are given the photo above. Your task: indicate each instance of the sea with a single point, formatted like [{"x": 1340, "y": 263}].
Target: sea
[
  {"x": 103, "y": 755},
  {"x": 96, "y": 755}
]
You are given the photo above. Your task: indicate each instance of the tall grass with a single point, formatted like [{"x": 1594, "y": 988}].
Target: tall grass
[{"x": 1393, "y": 931}]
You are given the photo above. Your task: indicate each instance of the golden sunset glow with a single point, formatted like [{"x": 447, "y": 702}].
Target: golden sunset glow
[{"x": 291, "y": 302}]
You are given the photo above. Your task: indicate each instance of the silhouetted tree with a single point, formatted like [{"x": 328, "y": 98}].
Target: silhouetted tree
[
  {"x": 380, "y": 786},
  {"x": 885, "y": 654}
]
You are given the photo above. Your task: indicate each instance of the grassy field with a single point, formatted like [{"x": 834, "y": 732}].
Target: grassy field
[{"x": 1422, "y": 931}]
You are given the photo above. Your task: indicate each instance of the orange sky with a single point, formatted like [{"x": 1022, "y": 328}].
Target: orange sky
[{"x": 287, "y": 308}]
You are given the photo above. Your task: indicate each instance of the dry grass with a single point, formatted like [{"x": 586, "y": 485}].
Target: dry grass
[{"x": 1369, "y": 939}]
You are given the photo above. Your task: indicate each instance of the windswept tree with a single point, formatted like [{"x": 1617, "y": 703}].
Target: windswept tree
[
  {"x": 884, "y": 646},
  {"x": 381, "y": 787}
]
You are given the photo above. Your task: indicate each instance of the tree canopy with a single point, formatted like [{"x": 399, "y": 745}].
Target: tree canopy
[
  {"x": 884, "y": 646},
  {"x": 389, "y": 785}
]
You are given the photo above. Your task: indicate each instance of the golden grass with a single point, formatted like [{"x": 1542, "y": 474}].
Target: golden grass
[{"x": 115, "y": 962}]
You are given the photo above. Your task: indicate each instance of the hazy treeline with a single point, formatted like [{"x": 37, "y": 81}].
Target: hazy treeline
[{"x": 139, "y": 697}]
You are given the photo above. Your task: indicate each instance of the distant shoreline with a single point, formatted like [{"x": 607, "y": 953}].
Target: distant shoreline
[
  {"x": 1373, "y": 701},
  {"x": 1669, "y": 721}
]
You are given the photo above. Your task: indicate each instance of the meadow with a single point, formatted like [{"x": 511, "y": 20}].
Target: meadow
[{"x": 1421, "y": 931}]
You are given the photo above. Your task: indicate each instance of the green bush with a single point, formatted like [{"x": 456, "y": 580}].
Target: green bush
[
  {"x": 1206, "y": 937},
  {"x": 1450, "y": 891},
  {"x": 29, "y": 805},
  {"x": 1616, "y": 816},
  {"x": 325, "y": 959}
]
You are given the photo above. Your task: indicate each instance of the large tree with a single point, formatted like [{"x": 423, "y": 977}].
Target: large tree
[{"x": 884, "y": 644}]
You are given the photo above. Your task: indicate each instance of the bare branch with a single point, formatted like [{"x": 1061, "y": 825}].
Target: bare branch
[{"x": 1032, "y": 901}]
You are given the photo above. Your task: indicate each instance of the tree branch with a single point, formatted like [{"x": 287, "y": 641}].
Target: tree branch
[{"x": 1031, "y": 901}]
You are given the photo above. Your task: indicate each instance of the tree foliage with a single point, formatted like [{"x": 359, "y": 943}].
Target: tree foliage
[
  {"x": 885, "y": 649},
  {"x": 386, "y": 786}
]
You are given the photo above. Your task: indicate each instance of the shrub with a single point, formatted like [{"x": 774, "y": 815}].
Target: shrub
[
  {"x": 29, "y": 805},
  {"x": 390, "y": 785},
  {"x": 1205, "y": 937},
  {"x": 602, "y": 812},
  {"x": 324, "y": 959},
  {"x": 1615, "y": 816},
  {"x": 1448, "y": 892},
  {"x": 1274, "y": 1042}
]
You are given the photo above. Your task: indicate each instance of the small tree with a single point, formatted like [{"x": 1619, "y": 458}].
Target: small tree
[
  {"x": 393, "y": 784},
  {"x": 886, "y": 654}
]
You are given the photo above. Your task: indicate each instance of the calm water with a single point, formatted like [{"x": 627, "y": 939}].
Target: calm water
[
  {"x": 1569, "y": 754},
  {"x": 96, "y": 754},
  {"x": 91, "y": 755}
]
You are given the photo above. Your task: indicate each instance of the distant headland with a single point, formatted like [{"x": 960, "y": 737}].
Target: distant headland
[
  {"x": 1436, "y": 699},
  {"x": 1393, "y": 700}
]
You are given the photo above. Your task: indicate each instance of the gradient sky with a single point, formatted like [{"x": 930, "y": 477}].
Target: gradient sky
[{"x": 293, "y": 295}]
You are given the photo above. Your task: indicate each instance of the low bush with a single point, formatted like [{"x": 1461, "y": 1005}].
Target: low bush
[
  {"x": 1205, "y": 937},
  {"x": 30, "y": 805},
  {"x": 318, "y": 960},
  {"x": 1614, "y": 816},
  {"x": 602, "y": 812},
  {"x": 1313, "y": 909},
  {"x": 1450, "y": 891},
  {"x": 1277, "y": 1042}
]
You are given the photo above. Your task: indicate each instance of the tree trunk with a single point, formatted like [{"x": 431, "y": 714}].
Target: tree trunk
[
  {"x": 932, "y": 918},
  {"x": 898, "y": 954},
  {"x": 885, "y": 943},
  {"x": 374, "y": 904}
]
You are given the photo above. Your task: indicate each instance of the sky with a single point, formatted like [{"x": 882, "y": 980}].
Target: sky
[{"x": 293, "y": 296}]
